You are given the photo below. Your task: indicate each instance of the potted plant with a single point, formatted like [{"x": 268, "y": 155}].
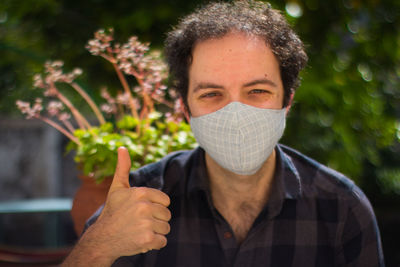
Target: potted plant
[{"x": 131, "y": 118}]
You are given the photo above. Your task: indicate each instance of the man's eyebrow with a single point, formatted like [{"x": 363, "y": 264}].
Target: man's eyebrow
[
  {"x": 260, "y": 81},
  {"x": 206, "y": 85}
]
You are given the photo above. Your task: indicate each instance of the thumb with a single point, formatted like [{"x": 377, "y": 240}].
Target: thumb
[{"x": 121, "y": 176}]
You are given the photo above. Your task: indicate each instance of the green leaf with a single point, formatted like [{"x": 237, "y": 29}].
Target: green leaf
[{"x": 127, "y": 123}]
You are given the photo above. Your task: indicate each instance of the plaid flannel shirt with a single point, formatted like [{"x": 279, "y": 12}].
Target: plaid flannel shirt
[{"x": 314, "y": 217}]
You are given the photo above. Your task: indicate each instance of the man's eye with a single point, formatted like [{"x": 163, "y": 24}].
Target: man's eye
[
  {"x": 258, "y": 91},
  {"x": 209, "y": 95}
]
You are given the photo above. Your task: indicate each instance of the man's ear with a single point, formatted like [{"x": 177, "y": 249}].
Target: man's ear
[
  {"x": 289, "y": 105},
  {"x": 184, "y": 109}
]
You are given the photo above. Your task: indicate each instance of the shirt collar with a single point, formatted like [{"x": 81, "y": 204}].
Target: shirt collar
[
  {"x": 286, "y": 172},
  {"x": 286, "y": 184},
  {"x": 198, "y": 176}
]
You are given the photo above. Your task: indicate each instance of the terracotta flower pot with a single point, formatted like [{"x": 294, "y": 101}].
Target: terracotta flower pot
[{"x": 89, "y": 197}]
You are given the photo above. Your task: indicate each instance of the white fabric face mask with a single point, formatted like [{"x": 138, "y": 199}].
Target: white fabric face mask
[{"x": 239, "y": 137}]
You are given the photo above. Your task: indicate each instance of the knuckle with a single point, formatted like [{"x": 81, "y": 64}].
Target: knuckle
[
  {"x": 140, "y": 192},
  {"x": 143, "y": 207},
  {"x": 148, "y": 237},
  {"x": 147, "y": 224}
]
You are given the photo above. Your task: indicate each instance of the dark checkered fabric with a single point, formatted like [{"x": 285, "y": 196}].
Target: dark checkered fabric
[{"x": 314, "y": 217}]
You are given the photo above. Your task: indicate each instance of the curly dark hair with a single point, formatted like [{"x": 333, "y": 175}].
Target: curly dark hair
[{"x": 215, "y": 20}]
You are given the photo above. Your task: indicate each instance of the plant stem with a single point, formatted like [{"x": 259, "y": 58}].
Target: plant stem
[
  {"x": 148, "y": 104},
  {"x": 120, "y": 110},
  {"x": 68, "y": 125},
  {"x": 109, "y": 57},
  {"x": 82, "y": 122},
  {"x": 127, "y": 90},
  {"x": 162, "y": 101},
  {"x": 90, "y": 102},
  {"x": 59, "y": 128}
]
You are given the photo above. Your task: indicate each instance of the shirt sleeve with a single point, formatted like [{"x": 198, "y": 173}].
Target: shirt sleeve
[{"x": 360, "y": 243}]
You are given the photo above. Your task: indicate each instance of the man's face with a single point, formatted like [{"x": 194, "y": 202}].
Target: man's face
[{"x": 236, "y": 68}]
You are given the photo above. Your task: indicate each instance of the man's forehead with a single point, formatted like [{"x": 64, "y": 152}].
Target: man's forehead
[{"x": 249, "y": 39}]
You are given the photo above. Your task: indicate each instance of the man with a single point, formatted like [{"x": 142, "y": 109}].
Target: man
[{"x": 240, "y": 199}]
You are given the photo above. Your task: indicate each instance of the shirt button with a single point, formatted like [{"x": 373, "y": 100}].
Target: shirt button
[{"x": 227, "y": 235}]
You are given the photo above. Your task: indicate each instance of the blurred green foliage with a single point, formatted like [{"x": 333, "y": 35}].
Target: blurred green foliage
[
  {"x": 346, "y": 113},
  {"x": 97, "y": 154}
]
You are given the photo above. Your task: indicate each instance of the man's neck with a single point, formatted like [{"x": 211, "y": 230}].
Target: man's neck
[{"x": 240, "y": 198}]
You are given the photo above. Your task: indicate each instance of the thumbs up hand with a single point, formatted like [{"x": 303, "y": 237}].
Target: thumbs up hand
[
  {"x": 121, "y": 176},
  {"x": 134, "y": 219}
]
